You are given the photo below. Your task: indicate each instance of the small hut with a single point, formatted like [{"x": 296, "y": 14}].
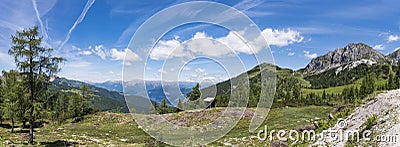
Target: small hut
[{"x": 210, "y": 101}]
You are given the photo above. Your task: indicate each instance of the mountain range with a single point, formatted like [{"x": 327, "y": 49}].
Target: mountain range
[
  {"x": 353, "y": 53},
  {"x": 342, "y": 65},
  {"x": 155, "y": 90}
]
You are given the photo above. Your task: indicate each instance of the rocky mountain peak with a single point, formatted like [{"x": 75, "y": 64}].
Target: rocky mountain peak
[
  {"x": 348, "y": 54},
  {"x": 394, "y": 57}
]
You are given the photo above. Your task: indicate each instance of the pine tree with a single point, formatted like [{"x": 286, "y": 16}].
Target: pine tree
[
  {"x": 179, "y": 106},
  {"x": 61, "y": 108},
  {"x": 38, "y": 64},
  {"x": 164, "y": 108},
  {"x": 195, "y": 93},
  {"x": 324, "y": 95},
  {"x": 13, "y": 96},
  {"x": 76, "y": 105},
  {"x": 391, "y": 80},
  {"x": 86, "y": 96},
  {"x": 397, "y": 77}
]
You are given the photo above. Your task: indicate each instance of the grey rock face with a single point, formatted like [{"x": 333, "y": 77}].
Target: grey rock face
[
  {"x": 394, "y": 57},
  {"x": 350, "y": 53}
]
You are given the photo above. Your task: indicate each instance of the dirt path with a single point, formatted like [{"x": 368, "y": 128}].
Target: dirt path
[{"x": 386, "y": 106}]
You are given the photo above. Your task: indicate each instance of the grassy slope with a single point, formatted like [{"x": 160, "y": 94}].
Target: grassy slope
[
  {"x": 103, "y": 99},
  {"x": 338, "y": 89},
  {"x": 120, "y": 129}
]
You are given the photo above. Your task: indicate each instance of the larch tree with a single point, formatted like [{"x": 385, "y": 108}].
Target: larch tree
[
  {"x": 37, "y": 65},
  {"x": 13, "y": 96},
  {"x": 195, "y": 93}
]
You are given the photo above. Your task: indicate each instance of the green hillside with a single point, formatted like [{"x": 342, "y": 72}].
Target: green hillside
[
  {"x": 107, "y": 129},
  {"x": 300, "y": 88},
  {"x": 104, "y": 100}
]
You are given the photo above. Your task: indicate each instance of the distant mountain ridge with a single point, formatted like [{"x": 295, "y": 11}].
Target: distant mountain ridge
[
  {"x": 104, "y": 99},
  {"x": 154, "y": 89},
  {"x": 353, "y": 52},
  {"x": 394, "y": 57}
]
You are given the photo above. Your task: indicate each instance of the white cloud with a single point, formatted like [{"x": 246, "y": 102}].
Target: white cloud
[
  {"x": 6, "y": 60},
  {"x": 86, "y": 53},
  {"x": 308, "y": 55},
  {"x": 379, "y": 47},
  {"x": 77, "y": 64},
  {"x": 78, "y": 21},
  {"x": 291, "y": 54},
  {"x": 162, "y": 71},
  {"x": 205, "y": 45},
  {"x": 43, "y": 28},
  {"x": 282, "y": 37},
  {"x": 235, "y": 43},
  {"x": 199, "y": 35},
  {"x": 73, "y": 47},
  {"x": 208, "y": 47},
  {"x": 120, "y": 55},
  {"x": 163, "y": 49},
  {"x": 393, "y": 38},
  {"x": 99, "y": 50},
  {"x": 200, "y": 70},
  {"x": 186, "y": 68}
]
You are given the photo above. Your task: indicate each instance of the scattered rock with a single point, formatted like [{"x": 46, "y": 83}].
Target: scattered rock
[
  {"x": 7, "y": 142},
  {"x": 330, "y": 116},
  {"x": 316, "y": 124},
  {"x": 279, "y": 144},
  {"x": 227, "y": 144},
  {"x": 304, "y": 128},
  {"x": 123, "y": 140},
  {"x": 340, "y": 108}
]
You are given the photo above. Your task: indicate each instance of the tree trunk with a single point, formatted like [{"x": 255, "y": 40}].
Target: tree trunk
[
  {"x": 31, "y": 87},
  {"x": 23, "y": 124},
  {"x": 30, "y": 141},
  {"x": 12, "y": 125}
]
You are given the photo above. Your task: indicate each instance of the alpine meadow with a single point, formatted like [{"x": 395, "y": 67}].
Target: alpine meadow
[{"x": 200, "y": 73}]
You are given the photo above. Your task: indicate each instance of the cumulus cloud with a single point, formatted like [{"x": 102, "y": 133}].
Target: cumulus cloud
[
  {"x": 200, "y": 70},
  {"x": 234, "y": 42},
  {"x": 99, "y": 50},
  {"x": 379, "y": 47},
  {"x": 231, "y": 44},
  {"x": 6, "y": 60},
  {"x": 281, "y": 38},
  {"x": 291, "y": 54},
  {"x": 207, "y": 47},
  {"x": 127, "y": 54},
  {"x": 308, "y": 55},
  {"x": 163, "y": 49},
  {"x": 86, "y": 53},
  {"x": 162, "y": 71},
  {"x": 393, "y": 38},
  {"x": 78, "y": 64}
]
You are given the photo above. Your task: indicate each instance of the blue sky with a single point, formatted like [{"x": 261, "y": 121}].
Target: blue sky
[{"x": 94, "y": 35}]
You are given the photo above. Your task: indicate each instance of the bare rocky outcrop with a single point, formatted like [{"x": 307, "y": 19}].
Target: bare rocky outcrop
[
  {"x": 351, "y": 53},
  {"x": 386, "y": 107},
  {"x": 394, "y": 57}
]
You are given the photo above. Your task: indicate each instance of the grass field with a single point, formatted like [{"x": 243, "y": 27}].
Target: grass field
[
  {"x": 119, "y": 129},
  {"x": 337, "y": 89}
]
